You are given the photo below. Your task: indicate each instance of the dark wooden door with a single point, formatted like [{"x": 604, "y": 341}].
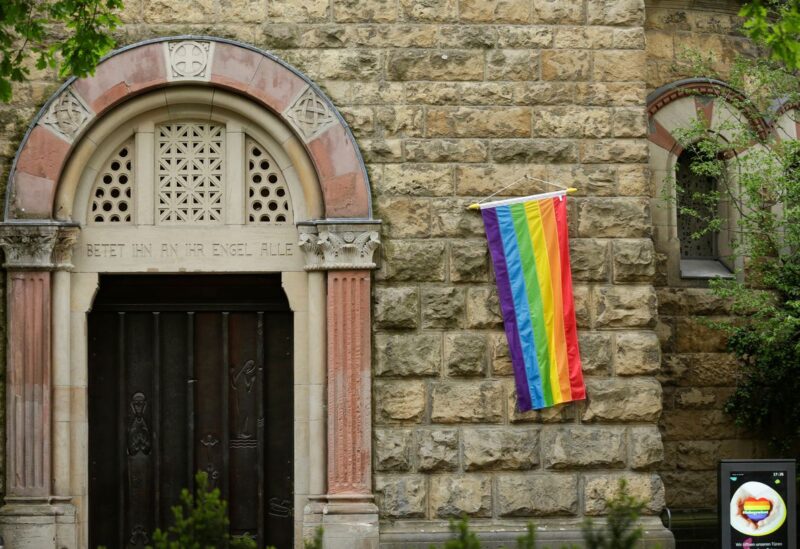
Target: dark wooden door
[{"x": 187, "y": 374}]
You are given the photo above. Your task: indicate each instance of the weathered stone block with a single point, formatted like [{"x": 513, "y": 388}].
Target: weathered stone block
[
  {"x": 637, "y": 353},
  {"x": 589, "y": 259},
  {"x": 396, "y": 307},
  {"x": 357, "y": 11},
  {"x": 625, "y": 306},
  {"x": 500, "y": 357},
  {"x": 399, "y": 401},
  {"x": 451, "y": 218},
  {"x": 300, "y": 11},
  {"x": 467, "y": 402},
  {"x": 630, "y": 122},
  {"x": 634, "y": 180},
  {"x": 404, "y": 217},
  {"x": 465, "y": 354},
  {"x": 622, "y": 400},
  {"x": 446, "y": 150},
  {"x": 582, "y": 298},
  {"x": 572, "y": 122},
  {"x": 582, "y": 38},
  {"x": 478, "y": 122},
  {"x": 538, "y": 151},
  {"x": 559, "y": 12},
  {"x": 417, "y": 261},
  {"x": 614, "y": 151},
  {"x": 700, "y": 369},
  {"x": 610, "y": 93},
  {"x": 483, "y": 308},
  {"x": 529, "y": 495},
  {"x": 523, "y": 36},
  {"x": 615, "y": 12},
  {"x": 400, "y": 120},
  {"x": 595, "y": 352},
  {"x": 408, "y": 355},
  {"x": 437, "y": 450},
  {"x": 646, "y": 448},
  {"x": 442, "y": 307},
  {"x": 583, "y": 446},
  {"x": 489, "y": 94},
  {"x": 699, "y": 425},
  {"x": 564, "y": 413},
  {"x": 378, "y": 151},
  {"x": 634, "y": 260},
  {"x": 349, "y": 65},
  {"x": 416, "y": 179},
  {"x": 435, "y": 65},
  {"x": 614, "y": 217},
  {"x": 695, "y": 335},
  {"x": 511, "y": 65},
  {"x": 565, "y": 65},
  {"x": 401, "y": 496},
  {"x": 456, "y": 496},
  {"x": 466, "y": 36},
  {"x": 429, "y": 10},
  {"x": 469, "y": 261},
  {"x": 690, "y": 489},
  {"x": 599, "y": 488},
  {"x": 500, "y": 448},
  {"x": 393, "y": 450},
  {"x": 480, "y": 179},
  {"x": 494, "y": 11}
]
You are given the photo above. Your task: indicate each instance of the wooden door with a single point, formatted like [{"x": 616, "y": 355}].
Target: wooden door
[{"x": 187, "y": 374}]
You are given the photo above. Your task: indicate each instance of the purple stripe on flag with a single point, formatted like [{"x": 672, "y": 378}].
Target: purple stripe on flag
[{"x": 507, "y": 307}]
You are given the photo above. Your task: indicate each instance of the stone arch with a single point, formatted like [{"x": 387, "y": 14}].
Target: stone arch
[
  {"x": 326, "y": 278},
  {"x": 670, "y": 108},
  {"x": 219, "y": 63}
]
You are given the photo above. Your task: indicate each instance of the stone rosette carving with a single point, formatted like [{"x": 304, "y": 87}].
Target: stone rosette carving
[
  {"x": 336, "y": 247},
  {"x": 67, "y": 115},
  {"x": 38, "y": 247},
  {"x": 310, "y": 114},
  {"x": 189, "y": 60}
]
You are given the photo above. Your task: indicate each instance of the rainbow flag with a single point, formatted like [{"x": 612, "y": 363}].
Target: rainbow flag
[{"x": 530, "y": 250}]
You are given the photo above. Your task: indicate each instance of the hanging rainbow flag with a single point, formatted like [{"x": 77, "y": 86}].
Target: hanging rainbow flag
[{"x": 530, "y": 250}]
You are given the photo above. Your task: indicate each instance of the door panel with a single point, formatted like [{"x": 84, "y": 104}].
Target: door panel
[{"x": 186, "y": 385}]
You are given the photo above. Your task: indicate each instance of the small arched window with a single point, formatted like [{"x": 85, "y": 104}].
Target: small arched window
[{"x": 702, "y": 251}]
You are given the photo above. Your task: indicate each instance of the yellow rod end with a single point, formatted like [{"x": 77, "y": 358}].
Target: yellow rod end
[
  {"x": 473, "y": 207},
  {"x": 572, "y": 190}
]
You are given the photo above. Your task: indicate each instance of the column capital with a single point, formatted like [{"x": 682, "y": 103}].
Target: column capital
[
  {"x": 339, "y": 246},
  {"x": 38, "y": 246}
]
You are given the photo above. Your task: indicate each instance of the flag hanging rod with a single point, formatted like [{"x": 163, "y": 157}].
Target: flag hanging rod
[{"x": 517, "y": 200}]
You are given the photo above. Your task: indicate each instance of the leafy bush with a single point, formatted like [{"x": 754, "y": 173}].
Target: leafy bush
[{"x": 201, "y": 522}]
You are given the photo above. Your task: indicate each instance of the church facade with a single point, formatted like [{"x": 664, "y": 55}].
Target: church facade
[{"x": 242, "y": 247}]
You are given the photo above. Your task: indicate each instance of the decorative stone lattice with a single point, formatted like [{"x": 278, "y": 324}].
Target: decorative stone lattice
[
  {"x": 189, "y": 173},
  {"x": 67, "y": 115},
  {"x": 310, "y": 115},
  {"x": 189, "y": 59},
  {"x": 112, "y": 194},
  {"x": 268, "y": 200}
]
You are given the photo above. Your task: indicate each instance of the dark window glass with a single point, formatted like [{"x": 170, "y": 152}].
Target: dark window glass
[{"x": 690, "y": 186}]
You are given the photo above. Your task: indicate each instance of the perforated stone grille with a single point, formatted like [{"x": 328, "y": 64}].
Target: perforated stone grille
[
  {"x": 112, "y": 194},
  {"x": 691, "y": 186},
  {"x": 268, "y": 200},
  {"x": 189, "y": 173}
]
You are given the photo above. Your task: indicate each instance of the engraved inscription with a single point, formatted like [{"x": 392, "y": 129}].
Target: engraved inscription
[{"x": 143, "y": 250}]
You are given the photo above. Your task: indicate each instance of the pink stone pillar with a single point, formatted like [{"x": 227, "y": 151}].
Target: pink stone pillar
[
  {"x": 349, "y": 391},
  {"x": 28, "y": 471}
]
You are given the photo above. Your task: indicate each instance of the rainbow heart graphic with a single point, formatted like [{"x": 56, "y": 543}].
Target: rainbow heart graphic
[{"x": 756, "y": 509}]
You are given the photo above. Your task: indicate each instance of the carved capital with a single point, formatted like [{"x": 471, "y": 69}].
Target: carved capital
[
  {"x": 336, "y": 247},
  {"x": 38, "y": 247}
]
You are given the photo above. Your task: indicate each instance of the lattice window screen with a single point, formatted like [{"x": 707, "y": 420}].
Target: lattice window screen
[
  {"x": 268, "y": 200},
  {"x": 112, "y": 194},
  {"x": 190, "y": 171},
  {"x": 690, "y": 184}
]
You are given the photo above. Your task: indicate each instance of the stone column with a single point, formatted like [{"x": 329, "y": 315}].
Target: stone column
[
  {"x": 345, "y": 251},
  {"x": 33, "y": 516}
]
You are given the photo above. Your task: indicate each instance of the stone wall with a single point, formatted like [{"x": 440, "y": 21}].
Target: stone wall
[
  {"x": 697, "y": 374},
  {"x": 451, "y": 100}
]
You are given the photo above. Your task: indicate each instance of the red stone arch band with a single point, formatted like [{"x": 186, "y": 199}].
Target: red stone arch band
[{"x": 154, "y": 64}]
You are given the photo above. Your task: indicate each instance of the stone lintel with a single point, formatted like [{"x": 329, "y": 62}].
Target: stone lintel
[
  {"x": 340, "y": 245},
  {"x": 38, "y": 246}
]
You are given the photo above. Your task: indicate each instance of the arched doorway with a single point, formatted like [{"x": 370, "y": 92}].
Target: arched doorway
[{"x": 231, "y": 164}]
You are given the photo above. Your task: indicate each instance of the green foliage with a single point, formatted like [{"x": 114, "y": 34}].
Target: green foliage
[
  {"x": 316, "y": 541},
  {"x": 69, "y": 34},
  {"x": 464, "y": 537},
  {"x": 201, "y": 522},
  {"x": 776, "y": 24},
  {"x": 757, "y": 168},
  {"x": 621, "y": 531}
]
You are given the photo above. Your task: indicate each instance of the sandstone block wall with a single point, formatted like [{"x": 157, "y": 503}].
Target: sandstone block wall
[{"x": 451, "y": 100}]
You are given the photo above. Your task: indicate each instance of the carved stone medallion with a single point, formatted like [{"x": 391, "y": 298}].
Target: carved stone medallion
[
  {"x": 189, "y": 59},
  {"x": 310, "y": 114},
  {"x": 67, "y": 115}
]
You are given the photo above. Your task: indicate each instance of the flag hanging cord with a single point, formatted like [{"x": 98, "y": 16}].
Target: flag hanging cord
[{"x": 481, "y": 204}]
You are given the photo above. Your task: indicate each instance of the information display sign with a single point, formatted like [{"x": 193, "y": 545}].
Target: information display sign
[{"x": 757, "y": 503}]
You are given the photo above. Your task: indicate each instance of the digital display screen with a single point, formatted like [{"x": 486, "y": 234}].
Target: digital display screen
[{"x": 757, "y": 505}]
